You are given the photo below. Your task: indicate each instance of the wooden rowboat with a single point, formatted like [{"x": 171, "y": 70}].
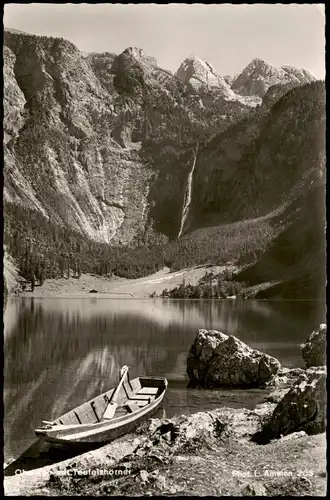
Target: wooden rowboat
[{"x": 101, "y": 420}]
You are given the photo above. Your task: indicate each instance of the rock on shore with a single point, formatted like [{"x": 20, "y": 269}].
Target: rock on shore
[
  {"x": 216, "y": 359},
  {"x": 303, "y": 408},
  {"x": 314, "y": 350}
]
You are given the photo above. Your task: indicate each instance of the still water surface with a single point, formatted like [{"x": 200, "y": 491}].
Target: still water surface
[{"x": 60, "y": 352}]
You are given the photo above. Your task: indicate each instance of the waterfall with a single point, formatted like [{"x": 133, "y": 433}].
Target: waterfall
[{"x": 187, "y": 196}]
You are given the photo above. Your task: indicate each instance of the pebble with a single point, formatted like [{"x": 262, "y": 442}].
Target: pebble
[
  {"x": 144, "y": 476},
  {"x": 254, "y": 490},
  {"x": 161, "y": 482},
  {"x": 154, "y": 473}
]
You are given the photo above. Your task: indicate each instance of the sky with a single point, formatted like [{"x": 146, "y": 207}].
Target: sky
[{"x": 228, "y": 36}]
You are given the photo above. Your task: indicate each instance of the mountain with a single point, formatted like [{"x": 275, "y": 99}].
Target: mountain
[
  {"x": 258, "y": 76},
  {"x": 108, "y": 156},
  {"x": 236, "y": 172},
  {"x": 302, "y": 75},
  {"x": 202, "y": 75},
  {"x": 258, "y": 196},
  {"x": 12, "y": 30},
  {"x": 198, "y": 72},
  {"x": 274, "y": 175},
  {"x": 82, "y": 134}
]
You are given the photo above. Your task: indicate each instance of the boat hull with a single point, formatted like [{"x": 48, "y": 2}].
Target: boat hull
[{"x": 103, "y": 431}]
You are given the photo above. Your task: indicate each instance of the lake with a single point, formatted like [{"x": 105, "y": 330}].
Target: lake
[{"x": 60, "y": 352}]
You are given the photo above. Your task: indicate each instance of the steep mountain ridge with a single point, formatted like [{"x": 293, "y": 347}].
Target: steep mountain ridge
[{"x": 302, "y": 75}]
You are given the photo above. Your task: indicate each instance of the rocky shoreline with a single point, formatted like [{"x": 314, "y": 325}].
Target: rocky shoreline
[{"x": 208, "y": 453}]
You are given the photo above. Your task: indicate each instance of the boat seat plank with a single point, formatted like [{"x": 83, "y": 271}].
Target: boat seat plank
[
  {"x": 143, "y": 402},
  {"x": 120, "y": 412},
  {"x": 132, "y": 406},
  {"x": 141, "y": 397},
  {"x": 135, "y": 384},
  {"x": 147, "y": 390}
]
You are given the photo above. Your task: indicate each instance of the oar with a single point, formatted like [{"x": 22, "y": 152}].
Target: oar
[{"x": 111, "y": 409}]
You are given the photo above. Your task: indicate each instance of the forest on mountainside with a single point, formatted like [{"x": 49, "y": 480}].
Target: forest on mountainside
[
  {"x": 210, "y": 286},
  {"x": 43, "y": 249}
]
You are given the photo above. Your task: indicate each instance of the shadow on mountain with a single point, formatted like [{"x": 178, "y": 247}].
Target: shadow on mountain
[{"x": 296, "y": 259}]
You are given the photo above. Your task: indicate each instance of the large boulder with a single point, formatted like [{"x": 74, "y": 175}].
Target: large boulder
[
  {"x": 314, "y": 350},
  {"x": 216, "y": 360},
  {"x": 303, "y": 408}
]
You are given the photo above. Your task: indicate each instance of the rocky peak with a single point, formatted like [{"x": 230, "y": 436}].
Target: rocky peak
[
  {"x": 258, "y": 76},
  {"x": 302, "y": 75},
  {"x": 258, "y": 63},
  {"x": 202, "y": 76},
  {"x": 197, "y": 72},
  {"x": 140, "y": 55},
  {"x": 259, "y": 68}
]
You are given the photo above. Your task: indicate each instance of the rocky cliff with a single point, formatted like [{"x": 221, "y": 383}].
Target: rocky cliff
[{"x": 61, "y": 157}]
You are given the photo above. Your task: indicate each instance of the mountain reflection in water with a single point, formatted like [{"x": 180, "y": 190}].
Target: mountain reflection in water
[{"x": 61, "y": 352}]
